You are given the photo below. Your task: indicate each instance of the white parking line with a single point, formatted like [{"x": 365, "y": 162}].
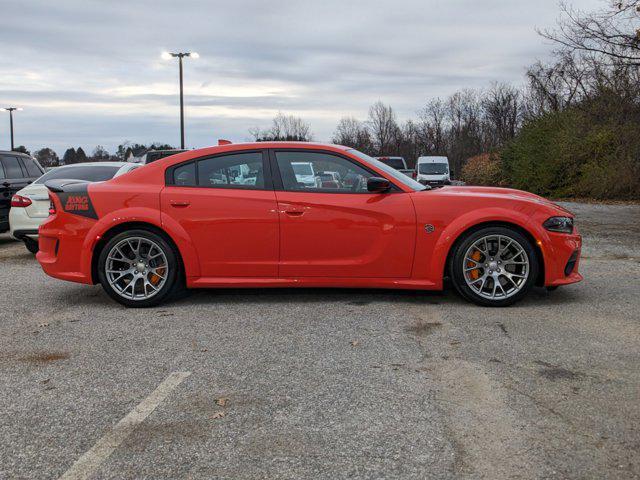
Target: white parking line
[{"x": 88, "y": 463}]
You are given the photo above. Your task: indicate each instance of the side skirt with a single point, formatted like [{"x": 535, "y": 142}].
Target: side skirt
[{"x": 310, "y": 282}]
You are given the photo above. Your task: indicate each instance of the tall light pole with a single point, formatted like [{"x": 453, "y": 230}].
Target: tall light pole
[
  {"x": 180, "y": 56},
  {"x": 11, "y": 110}
]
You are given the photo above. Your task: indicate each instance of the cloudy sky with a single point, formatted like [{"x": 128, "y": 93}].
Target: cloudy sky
[{"x": 89, "y": 72}]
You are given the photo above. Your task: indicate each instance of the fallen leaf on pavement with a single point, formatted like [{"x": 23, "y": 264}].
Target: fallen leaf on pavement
[
  {"x": 218, "y": 415},
  {"x": 354, "y": 343},
  {"x": 222, "y": 401}
]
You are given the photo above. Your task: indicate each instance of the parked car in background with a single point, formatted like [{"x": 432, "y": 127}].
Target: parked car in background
[
  {"x": 30, "y": 205},
  {"x": 149, "y": 234},
  {"x": 155, "y": 155},
  {"x": 305, "y": 174},
  {"x": 17, "y": 170},
  {"x": 433, "y": 171},
  {"x": 399, "y": 164}
]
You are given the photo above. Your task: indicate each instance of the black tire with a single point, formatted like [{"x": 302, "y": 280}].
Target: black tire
[
  {"x": 173, "y": 281},
  {"x": 456, "y": 267},
  {"x": 31, "y": 244}
]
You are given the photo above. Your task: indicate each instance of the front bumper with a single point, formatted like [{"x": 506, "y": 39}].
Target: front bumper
[
  {"x": 562, "y": 259},
  {"x": 434, "y": 183}
]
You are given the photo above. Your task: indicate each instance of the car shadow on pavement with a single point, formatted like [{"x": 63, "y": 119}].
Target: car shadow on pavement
[{"x": 539, "y": 297}]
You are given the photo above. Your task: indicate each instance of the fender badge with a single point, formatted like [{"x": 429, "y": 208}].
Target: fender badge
[{"x": 429, "y": 228}]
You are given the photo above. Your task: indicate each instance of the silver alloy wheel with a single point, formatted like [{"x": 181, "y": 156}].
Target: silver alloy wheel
[
  {"x": 496, "y": 267},
  {"x": 136, "y": 268}
]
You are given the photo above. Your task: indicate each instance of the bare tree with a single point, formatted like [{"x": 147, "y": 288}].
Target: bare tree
[
  {"x": 432, "y": 129},
  {"x": 612, "y": 32},
  {"x": 352, "y": 132},
  {"x": 284, "y": 128},
  {"x": 382, "y": 126},
  {"x": 501, "y": 113}
]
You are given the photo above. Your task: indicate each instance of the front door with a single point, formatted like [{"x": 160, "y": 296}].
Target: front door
[
  {"x": 227, "y": 206},
  {"x": 333, "y": 226}
]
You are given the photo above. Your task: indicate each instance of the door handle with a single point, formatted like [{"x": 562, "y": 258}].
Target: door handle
[
  {"x": 293, "y": 210},
  {"x": 177, "y": 204}
]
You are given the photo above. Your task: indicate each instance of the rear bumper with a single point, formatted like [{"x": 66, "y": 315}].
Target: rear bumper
[
  {"x": 562, "y": 260},
  {"x": 21, "y": 223},
  {"x": 61, "y": 245},
  {"x": 21, "y": 234}
]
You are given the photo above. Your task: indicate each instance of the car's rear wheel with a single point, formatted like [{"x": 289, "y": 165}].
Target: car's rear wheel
[
  {"x": 138, "y": 268},
  {"x": 31, "y": 244},
  {"x": 494, "y": 266}
]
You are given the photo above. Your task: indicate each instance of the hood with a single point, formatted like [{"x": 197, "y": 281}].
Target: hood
[{"x": 497, "y": 192}]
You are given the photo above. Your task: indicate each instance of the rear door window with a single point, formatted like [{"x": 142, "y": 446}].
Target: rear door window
[
  {"x": 239, "y": 170},
  {"x": 185, "y": 175},
  {"x": 33, "y": 170},
  {"x": 12, "y": 167}
]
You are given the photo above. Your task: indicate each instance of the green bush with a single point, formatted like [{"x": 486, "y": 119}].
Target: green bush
[{"x": 575, "y": 153}]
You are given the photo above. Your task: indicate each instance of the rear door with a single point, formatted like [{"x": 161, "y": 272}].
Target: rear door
[
  {"x": 15, "y": 178},
  {"x": 227, "y": 206},
  {"x": 339, "y": 229}
]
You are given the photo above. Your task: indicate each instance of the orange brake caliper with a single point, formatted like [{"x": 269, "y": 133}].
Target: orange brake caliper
[{"x": 475, "y": 273}]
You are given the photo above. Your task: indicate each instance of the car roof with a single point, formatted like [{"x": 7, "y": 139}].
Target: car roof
[
  {"x": 283, "y": 144},
  {"x": 11, "y": 152},
  {"x": 433, "y": 159}
]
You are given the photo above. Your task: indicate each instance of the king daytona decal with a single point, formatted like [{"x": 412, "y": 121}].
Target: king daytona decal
[{"x": 78, "y": 202}]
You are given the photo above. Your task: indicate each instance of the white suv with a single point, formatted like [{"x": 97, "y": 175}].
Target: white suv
[{"x": 30, "y": 206}]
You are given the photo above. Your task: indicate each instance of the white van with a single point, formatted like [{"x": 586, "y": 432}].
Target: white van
[{"x": 433, "y": 171}]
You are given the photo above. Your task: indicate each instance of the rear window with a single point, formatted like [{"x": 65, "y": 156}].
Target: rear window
[
  {"x": 396, "y": 163},
  {"x": 93, "y": 173}
]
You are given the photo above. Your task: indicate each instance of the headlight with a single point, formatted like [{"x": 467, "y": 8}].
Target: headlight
[{"x": 559, "y": 224}]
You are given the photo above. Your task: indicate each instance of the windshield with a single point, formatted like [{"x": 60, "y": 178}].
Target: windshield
[
  {"x": 302, "y": 168},
  {"x": 433, "y": 168},
  {"x": 396, "y": 163},
  {"x": 397, "y": 176},
  {"x": 91, "y": 173}
]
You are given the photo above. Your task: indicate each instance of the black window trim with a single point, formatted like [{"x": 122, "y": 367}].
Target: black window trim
[
  {"x": 266, "y": 168},
  {"x": 278, "y": 184}
]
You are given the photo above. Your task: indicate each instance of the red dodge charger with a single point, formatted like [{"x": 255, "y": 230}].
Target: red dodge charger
[{"x": 285, "y": 214}]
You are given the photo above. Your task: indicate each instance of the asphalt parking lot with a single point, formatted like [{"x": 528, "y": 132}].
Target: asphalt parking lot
[{"x": 326, "y": 383}]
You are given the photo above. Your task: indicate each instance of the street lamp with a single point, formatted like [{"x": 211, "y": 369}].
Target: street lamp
[
  {"x": 180, "y": 56},
  {"x": 11, "y": 110}
]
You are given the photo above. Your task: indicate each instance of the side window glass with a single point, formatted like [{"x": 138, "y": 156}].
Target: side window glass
[
  {"x": 33, "y": 170},
  {"x": 12, "y": 168},
  {"x": 321, "y": 172},
  {"x": 185, "y": 175},
  {"x": 239, "y": 170}
]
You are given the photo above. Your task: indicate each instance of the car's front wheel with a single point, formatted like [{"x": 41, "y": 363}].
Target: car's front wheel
[
  {"x": 138, "y": 268},
  {"x": 494, "y": 266}
]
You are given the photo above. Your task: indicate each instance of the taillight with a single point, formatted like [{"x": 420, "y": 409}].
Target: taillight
[
  {"x": 20, "y": 201},
  {"x": 52, "y": 206},
  {"x": 414, "y": 174}
]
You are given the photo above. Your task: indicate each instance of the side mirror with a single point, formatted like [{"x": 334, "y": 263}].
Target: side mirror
[{"x": 378, "y": 184}]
